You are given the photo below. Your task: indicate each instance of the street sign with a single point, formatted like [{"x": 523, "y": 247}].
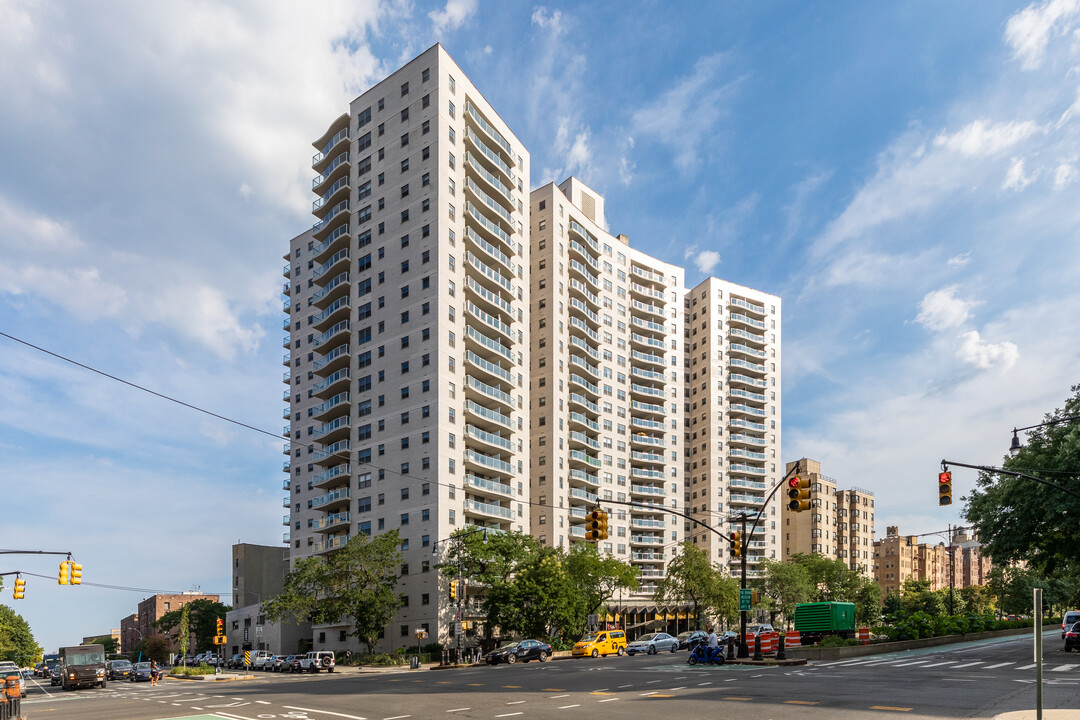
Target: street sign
[
  {"x": 247, "y": 657},
  {"x": 746, "y": 596}
]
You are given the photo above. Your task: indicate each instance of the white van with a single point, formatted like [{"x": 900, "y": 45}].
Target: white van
[{"x": 1072, "y": 616}]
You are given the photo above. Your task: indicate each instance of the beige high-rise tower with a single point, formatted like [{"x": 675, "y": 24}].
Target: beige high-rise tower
[
  {"x": 407, "y": 324},
  {"x": 607, "y": 381}
]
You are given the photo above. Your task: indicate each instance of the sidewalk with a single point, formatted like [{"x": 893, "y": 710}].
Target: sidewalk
[{"x": 1030, "y": 715}]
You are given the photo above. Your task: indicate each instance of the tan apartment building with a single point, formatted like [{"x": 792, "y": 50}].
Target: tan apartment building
[
  {"x": 896, "y": 560},
  {"x": 407, "y": 334},
  {"x": 732, "y": 411},
  {"x": 139, "y": 626},
  {"x": 973, "y": 567},
  {"x": 606, "y": 356},
  {"x": 900, "y": 558},
  {"x": 839, "y": 524}
]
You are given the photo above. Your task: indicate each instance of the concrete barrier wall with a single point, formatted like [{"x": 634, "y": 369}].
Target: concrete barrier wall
[{"x": 839, "y": 653}]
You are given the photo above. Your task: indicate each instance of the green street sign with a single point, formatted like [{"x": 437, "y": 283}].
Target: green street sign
[{"x": 745, "y": 597}]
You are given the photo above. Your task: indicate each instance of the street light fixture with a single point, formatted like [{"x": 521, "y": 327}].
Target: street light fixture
[{"x": 1016, "y": 445}]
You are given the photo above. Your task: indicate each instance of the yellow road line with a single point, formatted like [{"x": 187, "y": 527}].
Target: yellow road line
[
  {"x": 650, "y": 697},
  {"x": 737, "y": 698},
  {"x": 516, "y": 687},
  {"x": 800, "y": 702},
  {"x": 551, "y": 690}
]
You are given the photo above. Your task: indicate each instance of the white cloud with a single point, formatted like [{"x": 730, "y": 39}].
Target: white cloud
[
  {"x": 973, "y": 350},
  {"x": 941, "y": 309},
  {"x": 684, "y": 117},
  {"x": 1029, "y": 31},
  {"x": 981, "y": 138},
  {"x": 452, "y": 16},
  {"x": 1015, "y": 178},
  {"x": 552, "y": 21},
  {"x": 706, "y": 260},
  {"x": 959, "y": 261},
  {"x": 246, "y": 191},
  {"x": 1064, "y": 175}
]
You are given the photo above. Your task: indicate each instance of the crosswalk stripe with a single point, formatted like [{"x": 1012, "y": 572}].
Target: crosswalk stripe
[
  {"x": 991, "y": 667},
  {"x": 1063, "y": 668},
  {"x": 1026, "y": 667},
  {"x": 970, "y": 664},
  {"x": 917, "y": 662},
  {"x": 948, "y": 662}
]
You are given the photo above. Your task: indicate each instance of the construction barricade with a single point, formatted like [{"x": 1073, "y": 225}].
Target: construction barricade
[
  {"x": 864, "y": 636},
  {"x": 791, "y": 639}
]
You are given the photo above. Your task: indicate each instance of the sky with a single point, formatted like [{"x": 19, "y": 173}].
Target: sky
[{"x": 906, "y": 176}]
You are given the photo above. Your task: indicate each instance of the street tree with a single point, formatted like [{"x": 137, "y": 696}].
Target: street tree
[
  {"x": 834, "y": 581},
  {"x": 786, "y": 584},
  {"x": 358, "y": 581},
  {"x": 155, "y": 647},
  {"x": 691, "y": 576},
  {"x": 107, "y": 642},
  {"x": 598, "y": 577},
  {"x": 202, "y": 617},
  {"x": 17, "y": 642},
  {"x": 977, "y": 599},
  {"x": 918, "y": 597},
  {"x": 538, "y": 600},
  {"x": 1020, "y": 520}
]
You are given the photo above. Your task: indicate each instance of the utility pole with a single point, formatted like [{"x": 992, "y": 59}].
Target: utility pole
[
  {"x": 461, "y": 591},
  {"x": 744, "y": 650},
  {"x": 952, "y": 567}
]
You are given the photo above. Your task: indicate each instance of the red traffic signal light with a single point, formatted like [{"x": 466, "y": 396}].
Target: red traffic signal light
[
  {"x": 798, "y": 494},
  {"x": 944, "y": 489}
]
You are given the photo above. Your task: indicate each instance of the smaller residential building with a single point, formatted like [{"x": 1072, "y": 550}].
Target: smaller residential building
[
  {"x": 114, "y": 634},
  {"x": 154, "y": 607},
  {"x": 246, "y": 629},
  {"x": 898, "y": 559},
  {"x": 129, "y": 633}
]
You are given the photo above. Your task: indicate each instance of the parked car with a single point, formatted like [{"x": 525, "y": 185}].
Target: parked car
[
  {"x": 140, "y": 672},
  {"x": 277, "y": 663},
  {"x": 1068, "y": 620},
  {"x": 118, "y": 669},
  {"x": 523, "y": 650},
  {"x": 236, "y": 661},
  {"x": 290, "y": 664},
  {"x": 259, "y": 659},
  {"x": 1072, "y": 637},
  {"x": 758, "y": 628},
  {"x": 653, "y": 643},
  {"x": 605, "y": 642},
  {"x": 7, "y": 668},
  {"x": 317, "y": 660},
  {"x": 691, "y": 638}
]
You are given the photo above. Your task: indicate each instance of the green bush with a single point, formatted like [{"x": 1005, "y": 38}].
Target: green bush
[
  {"x": 830, "y": 641},
  {"x": 202, "y": 669}
]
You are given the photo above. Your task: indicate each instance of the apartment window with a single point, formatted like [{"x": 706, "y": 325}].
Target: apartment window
[
  {"x": 404, "y": 139},
  {"x": 425, "y": 127},
  {"x": 404, "y": 114},
  {"x": 452, "y": 110},
  {"x": 425, "y": 101},
  {"x": 425, "y": 153},
  {"x": 404, "y": 89},
  {"x": 425, "y": 179}
]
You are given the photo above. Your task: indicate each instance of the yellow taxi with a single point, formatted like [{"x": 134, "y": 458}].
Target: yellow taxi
[{"x": 605, "y": 642}]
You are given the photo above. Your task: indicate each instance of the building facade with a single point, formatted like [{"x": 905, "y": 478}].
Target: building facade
[
  {"x": 258, "y": 572},
  {"x": 839, "y": 524},
  {"x": 606, "y": 356},
  {"x": 141, "y": 624},
  {"x": 407, "y": 338},
  {"x": 898, "y": 559},
  {"x": 732, "y": 418}
]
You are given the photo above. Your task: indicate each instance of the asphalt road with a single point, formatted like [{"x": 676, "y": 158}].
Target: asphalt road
[{"x": 968, "y": 680}]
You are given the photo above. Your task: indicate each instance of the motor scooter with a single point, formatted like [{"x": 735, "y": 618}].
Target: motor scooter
[{"x": 700, "y": 655}]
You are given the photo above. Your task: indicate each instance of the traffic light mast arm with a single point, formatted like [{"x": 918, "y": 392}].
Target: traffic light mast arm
[
  {"x": 32, "y": 552},
  {"x": 1001, "y": 471},
  {"x": 667, "y": 511},
  {"x": 793, "y": 471}
]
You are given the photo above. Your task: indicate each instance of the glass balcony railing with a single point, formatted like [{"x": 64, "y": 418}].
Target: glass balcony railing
[
  {"x": 486, "y": 485},
  {"x": 488, "y": 128},
  {"x": 759, "y": 309},
  {"x": 488, "y": 414},
  {"x": 490, "y": 177},
  {"x": 331, "y": 497},
  {"x": 488, "y": 509}
]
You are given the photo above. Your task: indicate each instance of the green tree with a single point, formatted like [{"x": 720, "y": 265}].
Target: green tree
[
  {"x": 893, "y": 606},
  {"x": 202, "y": 616},
  {"x": 691, "y": 576},
  {"x": 918, "y": 597},
  {"x": 598, "y": 577},
  {"x": 867, "y": 599},
  {"x": 17, "y": 642},
  {"x": 540, "y": 600},
  {"x": 108, "y": 642},
  {"x": 1018, "y": 519},
  {"x": 977, "y": 599},
  {"x": 155, "y": 647},
  {"x": 185, "y": 629},
  {"x": 359, "y": 581},
  {"x": 787, "y": 584}
]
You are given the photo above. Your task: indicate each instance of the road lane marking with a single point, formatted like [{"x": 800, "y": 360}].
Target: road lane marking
[
  {"x": 650, "y": 682},
  {"x": 991, "y": 667},
  {"x": 949, "y": 662},
  {"x": 516, "y": 702},
  {"x": 567, "y": 707},
  {"x": 443, "y": 682},
  {"x": 886, "y": 707},
  {"x": 514, "y": 687},
  {"x": 551, "y": 690},
  {"x": 325, "y": 712},
  {"x": 398, "y": 717},
  {"x": 917, "y": 662},
  {"x": 235, "y": 717},
  {"x": 800, "y": 702},
  {"x": 738, "y": 698},
  {"x": 476, "y": 684},
  {"x": 1026, "y": 667},
  {"x": 676, "y": 688},
  {"x": 263, "y": 702},
  {"x": 625, "y": 686},
  {"x": 970, "y": 664},
  {"x": 1063, "y": 668},
  {"x": 458, "y": 710},
  {"x": 649, "y": 693},
  {"x": 653, "y": 697},
  {"x": 704, "y": 683},
  {"x": 556, "y": 697},
  {"x": 608, "y": 700},
  {"x": 509, "y": 714}
]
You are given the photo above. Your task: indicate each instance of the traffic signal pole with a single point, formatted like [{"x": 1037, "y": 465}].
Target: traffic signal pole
[{"x": 744, "y": 650}]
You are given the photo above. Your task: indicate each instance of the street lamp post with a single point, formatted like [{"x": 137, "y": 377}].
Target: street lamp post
[
  {"x": 458, "y": 539},
  {"x": 1015, "y": 446}
]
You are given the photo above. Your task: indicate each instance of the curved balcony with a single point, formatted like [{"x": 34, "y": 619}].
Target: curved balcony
[
  {"x": 579, "y": 420},
  {"x": 646, "y": 391},
  {"x": 331, "y": 432},
  {"x": 338, "y": 191},
  {"x": 488, "y": 419},
  {"x": 650, "y": 491},
  {"x": 338, "y": 261},
  {"x": 746, "y": 424},
  {"x": 490, "y": 159},
  {"x": 583, "y": 402},
  {"x": 647, "y": 408},
  {"x": 589, "y": 387},
  {"x": 488, "y": 347},
  {"x": 579, "y": 458},
  {"x": 332, "y": 522},
  {"x": 746, "y": 395},
  {"x": 333, "y": 360},
  {"x": 740, "y": 335},
  {"x": 584, "y": 310},
  {"x": 576, "y": 227},
  {"x": 647, "y": 475},
  {"x": 476, "y": 389},
  {"x": 494, "y": 370},
  {"x": 579, "y": 325},
  {"x": 490, "y": 276},
  {"x": 337, "y": 475},
  {"x": 488, "y": 510},
  {"x": 330, "y": 544},
  {"x": 579, "y": 269},
  {"x": 487, "y": 464},
  {"x": 580, "y": 289},
  {"x": 338, "y": 167},
  {"x": 746, "y": 410},
  {"x": 488, "y": 249},
  {"x": 739, "y": 439},
  {"x": 323, "y": 410},
  {"x": 579, "y": 494},
  {"x": 341, "y": 329},
  {"x": 325, "y": 141},
  {"x": 647, "y": 424},
  {"x": 647, "y": 457},
  {"x": 648, "y": 292},
  {"x": 585, "y": 346},
  {"x": 332, "y": 383},
  {"x": 492, "y": 301},
  {"x": 646, "y": 540},
  {"x": 474, "y": 117},
  {"x": 647, "y": 358},
  {"x": 488, "y": 486},
  {"x": 332, "y": 500},
  {"x": 649, "y": 308},
  {"x": 579, "y": 362},
  {"x": 748, "y": 484},
  {"x": 337, "y": 215},
  {"x": 581, "y": 440},
  {"x": 746, "y": 380},
  {"x": 334, "y": 452},
  {"x": 334, "y": 312},
  {"x": 335, "y": 241},
  {"x": 492, "y": 321},
  {"x": 581, "y": 477},
  {"x": 746, "y": 365},
  {"x": 646, "y": 440},
  {"x": 747, "y": 306},
  {"x": 647, "y": 275},
  {"x": 646, "y": 324},
  {"x": 475, "y": 168},
  {"x": 647, "y": 341},
  {"x": 739, "y": 348},
  {"x": 489, "y": 229},
  {"x": 746, "y": 469},
  {"x": 492, "y": 440},
  {"x": 336, "y": 287},
  {"x": 494, "y": 203}
]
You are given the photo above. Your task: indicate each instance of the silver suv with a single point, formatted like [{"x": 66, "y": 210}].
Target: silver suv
[{"x": 318, "y": 660}]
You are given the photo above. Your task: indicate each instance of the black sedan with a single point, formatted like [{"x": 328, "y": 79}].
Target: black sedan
[
  {"x": 524, "y": 650},
  {"x": 119, "y": 670},
  {"x": 140, "y": 672},
  {"x": 692, "y": 638},
  {"x": 1072, "y": 637}
]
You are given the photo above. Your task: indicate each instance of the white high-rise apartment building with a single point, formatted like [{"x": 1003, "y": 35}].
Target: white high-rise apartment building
[
  {"x": 607, "y": 383},
  {"x": 407, "y": 319},
  {"x": 732, "y": 411}
]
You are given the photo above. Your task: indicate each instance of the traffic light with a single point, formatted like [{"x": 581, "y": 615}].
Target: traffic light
[
  {"x": 65, "y": 574},
  {"x": 20, "y": 588},
  {"x": 736, "y": 544},
  {"x": 799, "y": 494},
  {"x": 76, "y": 573},
  {"x": 220, "y": 627},
  {"x": 944, "y": 488},
  {"x": 453, "y": 589},
  {"x": 596, "y": 528}
]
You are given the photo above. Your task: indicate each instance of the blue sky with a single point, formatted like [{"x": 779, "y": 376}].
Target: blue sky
[{"x": 905, "y": 175}]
